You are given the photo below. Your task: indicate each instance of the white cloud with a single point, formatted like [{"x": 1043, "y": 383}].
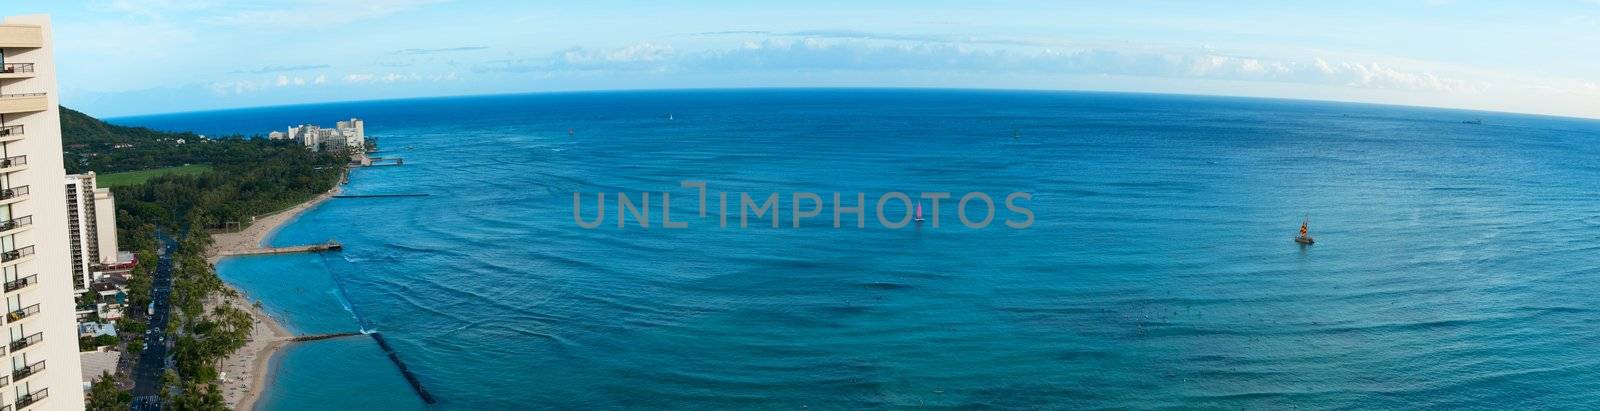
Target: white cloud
[
  {"x": 1322, "y": 66},
  {"x": 638, "y": 53},
  {"x": 246, "y": 86},
  {"x": 286, "y": 81},
  {"x": 233, "y": 87},
  {"x": 1375, "y": 75},
  {"x": 854, "y": 55},
  {"x": 392, "y": 77}
]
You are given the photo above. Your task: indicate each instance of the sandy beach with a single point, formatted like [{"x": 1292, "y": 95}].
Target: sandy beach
[
  {"x": 245, "y": 371},
  {"x": 264, "y": 226}
]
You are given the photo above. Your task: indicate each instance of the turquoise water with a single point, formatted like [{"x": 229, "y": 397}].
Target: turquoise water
[{"x": 1455, "y": 266}]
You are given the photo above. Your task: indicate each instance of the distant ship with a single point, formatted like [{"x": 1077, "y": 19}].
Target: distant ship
[
  {"x": 1473, "y": 121},
  {"x": 919, "y": 212},
  {"x": 1305, "y": 234}
]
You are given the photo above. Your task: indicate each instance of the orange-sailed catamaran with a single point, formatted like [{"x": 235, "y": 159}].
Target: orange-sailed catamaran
[{"x": 1305, "y": 235}]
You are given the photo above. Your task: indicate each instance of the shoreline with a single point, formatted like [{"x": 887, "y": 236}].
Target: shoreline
[{"x": 245, "y": 370}]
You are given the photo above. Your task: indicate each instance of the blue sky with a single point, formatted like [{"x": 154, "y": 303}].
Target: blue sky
[{"x": 124, "y": 57}]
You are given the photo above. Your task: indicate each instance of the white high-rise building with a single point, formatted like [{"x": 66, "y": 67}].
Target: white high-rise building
[
  {"x": 355, "y": 133},
  {"x": 83, "y": 229},
  {"x": 105, "y": 214},
  {"x": 309, "y": 135},
  {"x": 345, "y": 135},
  {"x": 41, "y": 357}
]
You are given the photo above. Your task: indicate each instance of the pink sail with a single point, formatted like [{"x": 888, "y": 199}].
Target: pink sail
[{"x": 919, "y": 211}]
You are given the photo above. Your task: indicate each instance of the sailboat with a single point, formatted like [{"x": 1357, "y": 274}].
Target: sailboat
[
  {"x": 919, "y": 213},
  {"x": 1305, "y": 234}
]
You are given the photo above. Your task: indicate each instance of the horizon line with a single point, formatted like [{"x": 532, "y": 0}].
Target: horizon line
[{"x": 892, "y": 88}]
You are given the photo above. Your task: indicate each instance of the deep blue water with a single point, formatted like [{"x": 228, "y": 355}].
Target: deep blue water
[{"x": 1456, "y": 264}]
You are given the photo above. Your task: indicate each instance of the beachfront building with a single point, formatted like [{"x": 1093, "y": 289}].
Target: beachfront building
[
  {"x": 41, "y": 354},
  {"x": 344, "y": 136},
  {"x": 354, "y": 132}
]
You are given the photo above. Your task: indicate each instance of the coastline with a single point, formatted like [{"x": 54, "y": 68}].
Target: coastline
[{"x": 244, "y": 371}]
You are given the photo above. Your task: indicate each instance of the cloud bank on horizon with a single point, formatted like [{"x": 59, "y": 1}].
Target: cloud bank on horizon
[{"x": 128, "y": 57}]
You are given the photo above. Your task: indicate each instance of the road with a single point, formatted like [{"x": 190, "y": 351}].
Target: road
[{"x": 156, "y": 358}]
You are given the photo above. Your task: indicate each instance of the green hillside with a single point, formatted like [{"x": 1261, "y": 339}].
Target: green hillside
[{"x": 93, "y": 145}]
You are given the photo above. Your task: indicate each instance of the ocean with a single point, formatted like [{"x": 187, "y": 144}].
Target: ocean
[{"x": 1456, "y": 264}]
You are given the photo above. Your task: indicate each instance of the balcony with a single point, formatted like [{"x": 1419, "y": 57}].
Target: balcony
[
  {"x": 18, "y": 345},
  {"x": 18, "y": 315},
  {"x": 25, "y": 372},
  {"x": 5, "y": 380},
  {"x": 16, "y": 70},
  {"x": 10, "y": 133},
  {"x": 32, "y": 397},
  {"x": 21, "y": 283},
  {"x": 16, "y": 254},
  {"x": 10, "y": 164},
  {"x": 21, "y": 36},
  {"x": 14, "y": 194},
  {"x": 23, "y": 103},
  {"x": 15, "y": 223}
]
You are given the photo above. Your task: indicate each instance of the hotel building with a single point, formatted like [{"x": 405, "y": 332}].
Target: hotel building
[
  {"x": 345, "y": 136},
  {"x": 92, "y": 242},
  {"x": 85, "y": 228},
  {"x": 40, "y": 355}
]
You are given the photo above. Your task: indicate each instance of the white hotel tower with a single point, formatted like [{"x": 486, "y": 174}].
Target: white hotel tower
[{"x": 40, "y": 350}]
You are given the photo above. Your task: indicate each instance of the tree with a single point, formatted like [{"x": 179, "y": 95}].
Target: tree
[
  {"x": 199, "y": 398},
  {"x": 169, "y": 384},
  {"x": 248, "y": 176},
  {"x": 104, "y": 395}
]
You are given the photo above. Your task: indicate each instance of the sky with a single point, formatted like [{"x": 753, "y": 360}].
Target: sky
[{"x": 130, "y": 57}]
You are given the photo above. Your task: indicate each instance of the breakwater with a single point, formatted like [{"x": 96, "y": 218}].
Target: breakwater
[
  {"x": 381, "y": 195},
  {"x": 411, "y": 378}
]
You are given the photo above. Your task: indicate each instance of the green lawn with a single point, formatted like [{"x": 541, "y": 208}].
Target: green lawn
[{"x": 137, "y": 177}]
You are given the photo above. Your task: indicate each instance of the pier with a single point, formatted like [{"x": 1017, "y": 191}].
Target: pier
[
  {"x": 364, "y": 160},
  {"x": 314, "y": 248},
  {"x": 383, "y": 161}
]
